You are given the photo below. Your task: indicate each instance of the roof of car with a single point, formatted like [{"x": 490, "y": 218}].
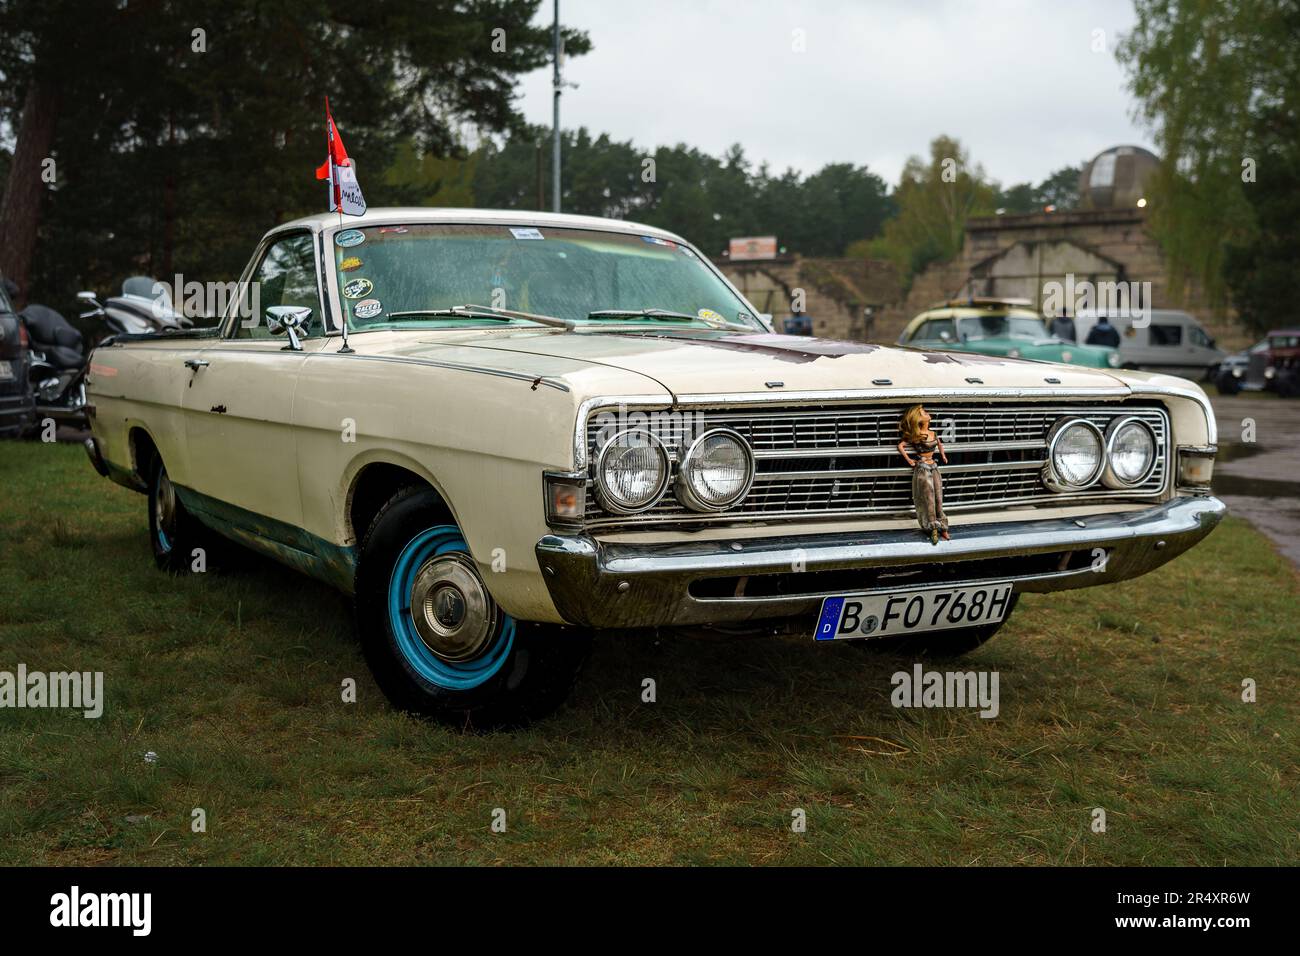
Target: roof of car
[
  {"x": 963, "y": 309},
  {"x": 1291, "y": 331},
  {"x": 419, "y": 214}
]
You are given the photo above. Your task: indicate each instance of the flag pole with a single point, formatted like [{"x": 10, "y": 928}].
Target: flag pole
[{"x": 335, "y": 199}]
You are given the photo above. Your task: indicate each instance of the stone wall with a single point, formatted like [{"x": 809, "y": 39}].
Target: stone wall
[{"x": 1004, "y": 255}]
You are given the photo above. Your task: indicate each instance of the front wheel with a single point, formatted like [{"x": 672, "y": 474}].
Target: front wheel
[
  {"x": 1227, "y": 383},
  {"x": 434, "y": 637},
  {"x": 953, "y": 643}
]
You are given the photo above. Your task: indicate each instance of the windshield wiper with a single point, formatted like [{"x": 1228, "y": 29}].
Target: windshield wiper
[
  {"x": 471, "y": 311},
  {"x": 667, "y": 314}
]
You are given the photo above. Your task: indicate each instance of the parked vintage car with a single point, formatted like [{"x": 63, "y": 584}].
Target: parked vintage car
[
  {"x": 540, "y": 425},
  {"x": 999, "y": 327},
  {"x": 1272, "y": 364}
]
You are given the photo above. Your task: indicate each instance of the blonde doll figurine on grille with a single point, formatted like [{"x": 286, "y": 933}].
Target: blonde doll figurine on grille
[{"x": 927, "y": 486}]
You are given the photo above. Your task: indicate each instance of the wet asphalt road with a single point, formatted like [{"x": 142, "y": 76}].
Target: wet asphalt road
[{"x": 1260, "y": 480}]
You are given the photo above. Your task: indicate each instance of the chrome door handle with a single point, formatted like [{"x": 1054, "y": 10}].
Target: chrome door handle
[{"x": 196, "y": 364}]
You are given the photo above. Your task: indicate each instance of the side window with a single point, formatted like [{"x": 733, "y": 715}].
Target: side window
[
  {"x": 1166, "y": 334},
  {"x": 1198, "y": 337},
  {"x": 285, "y": 276}
]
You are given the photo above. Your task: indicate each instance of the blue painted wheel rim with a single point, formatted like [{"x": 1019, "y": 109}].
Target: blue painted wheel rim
[
  {"x": 160, "y": 511},
  {"x": 450, "y": 675}
]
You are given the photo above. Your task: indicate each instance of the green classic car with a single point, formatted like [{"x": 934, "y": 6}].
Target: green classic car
[{"x": 996, "y": 327}]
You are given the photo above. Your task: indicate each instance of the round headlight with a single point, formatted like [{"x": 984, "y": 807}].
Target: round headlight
[
  {"x": 1074, "y": 456},
  {"x": 1130, "y": 453},
  {"x": 716, "y": 471},
  {"x": 1113, "y": 360},
  {"x": 631, "y": 472}
]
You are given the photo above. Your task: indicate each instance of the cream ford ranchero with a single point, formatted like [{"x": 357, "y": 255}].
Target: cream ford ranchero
[{"x": 500, "y": 431}]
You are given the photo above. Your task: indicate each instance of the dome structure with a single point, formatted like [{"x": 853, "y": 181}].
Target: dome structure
[{"x": 1116, "y": 178}]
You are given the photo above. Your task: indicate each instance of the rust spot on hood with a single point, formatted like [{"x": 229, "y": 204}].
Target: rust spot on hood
[{"x": 966, "y": 358}]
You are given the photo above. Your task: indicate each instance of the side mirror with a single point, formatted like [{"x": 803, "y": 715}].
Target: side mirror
[{"x": 291, "y": 320}]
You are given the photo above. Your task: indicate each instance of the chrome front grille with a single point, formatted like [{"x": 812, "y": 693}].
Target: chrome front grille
[{"x": 844, "y": 462}]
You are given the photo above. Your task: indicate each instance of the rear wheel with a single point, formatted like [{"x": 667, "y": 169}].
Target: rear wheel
[
  {"x": 175, "y": 534},
  {"x": 434, "y": 637},
  {"x": 952, "y": 643}
]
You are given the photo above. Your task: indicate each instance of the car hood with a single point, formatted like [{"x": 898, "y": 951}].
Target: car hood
[{"x": 696, "y": 363}]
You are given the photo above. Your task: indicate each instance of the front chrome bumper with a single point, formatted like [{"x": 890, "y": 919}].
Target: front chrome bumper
[{"x": 601, "y": 584}]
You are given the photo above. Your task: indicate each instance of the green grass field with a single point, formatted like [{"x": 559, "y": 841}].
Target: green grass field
[{"x": 1126, "y": 698}]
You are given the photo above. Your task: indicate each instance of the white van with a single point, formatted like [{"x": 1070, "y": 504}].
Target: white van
[{"x": 1172, "y": 342}]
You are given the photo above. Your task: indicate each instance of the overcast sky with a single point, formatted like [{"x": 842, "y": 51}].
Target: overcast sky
[{"x": 1016, "y": 81}]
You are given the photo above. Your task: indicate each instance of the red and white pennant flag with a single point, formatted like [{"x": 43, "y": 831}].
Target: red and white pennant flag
[{"x": 345, "y": 191}]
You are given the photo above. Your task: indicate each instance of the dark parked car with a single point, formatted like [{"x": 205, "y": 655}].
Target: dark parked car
[
  {"x": 17, "y": 410},
  {"x": 1272, "y": 364}
]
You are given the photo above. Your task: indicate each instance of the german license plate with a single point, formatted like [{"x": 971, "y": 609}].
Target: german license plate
[
  {"x": 6, "y": 372},
  {"x": 910, "y": 612}
]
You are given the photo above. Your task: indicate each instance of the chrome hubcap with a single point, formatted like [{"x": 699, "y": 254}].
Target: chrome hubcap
[
  {"x": 452, "y": 612},
  {"x": 166, "y": 505}
]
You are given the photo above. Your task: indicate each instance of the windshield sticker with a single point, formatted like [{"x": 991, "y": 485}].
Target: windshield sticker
[
  {"x": 395, "y": 230},
  {"x": 350, "y": 264},
  {"x": 708, "y": 315},
  {"x": 358, "y": 289},
  {"x": 350, "y": 237},
  {"x": 367, "y": 308},
  {"x": 656, "y": 241},
  {"x": 521, "y": 233}
]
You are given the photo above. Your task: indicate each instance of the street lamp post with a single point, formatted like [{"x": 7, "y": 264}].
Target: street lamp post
[{"x": 556, "y": 83}]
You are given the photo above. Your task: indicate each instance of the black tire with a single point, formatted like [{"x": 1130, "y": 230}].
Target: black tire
[
  {"x": 174, "y": 533},
  {"x": 952, "y": 643},
  {"x": 521, "y": 673},
  {"x": 1288, "y": 384},
  {"x": 1227, "y": 383}
]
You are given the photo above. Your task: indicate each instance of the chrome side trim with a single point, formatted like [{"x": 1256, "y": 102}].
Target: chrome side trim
[{"x": 455, "y": 366}]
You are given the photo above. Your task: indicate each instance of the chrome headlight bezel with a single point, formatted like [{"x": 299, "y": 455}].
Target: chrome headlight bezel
[
  {"x": 610, "y": 502},
  {"x": 1051, "y": 478},
  {"x": 1108, "y": 477},
  {"x": 685, "y": 490}
]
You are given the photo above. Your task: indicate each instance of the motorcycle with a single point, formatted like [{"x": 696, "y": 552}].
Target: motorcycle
[
  {"x": 145, "y": 306},
  {"x": 57, "y": 373},
  {"x": 59, "y": 359}
]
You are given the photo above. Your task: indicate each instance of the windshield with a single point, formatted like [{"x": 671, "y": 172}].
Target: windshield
[
  {"x": 384, "y": 271},
  {"x": 1000, "y": 326}
]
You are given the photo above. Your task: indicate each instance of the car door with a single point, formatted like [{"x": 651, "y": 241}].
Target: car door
[
  {"x": 1170, "y": 350},
  {"x": 1205, "y": 356},
  {"x": 239, "y": 403}
]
